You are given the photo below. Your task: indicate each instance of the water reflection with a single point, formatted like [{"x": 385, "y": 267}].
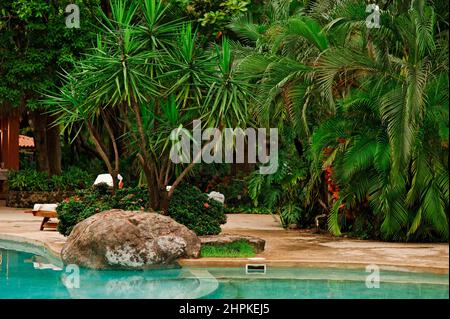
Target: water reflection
[{"x": 154, "y": 284}]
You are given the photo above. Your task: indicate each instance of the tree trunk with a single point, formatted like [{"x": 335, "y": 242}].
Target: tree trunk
[
  {"x": 100, "y": 148},
  {"x": 164, "y": 200},
  {"x": 152, "y": 184},
  {"x": 83, "y": 147},
  {"x": 38, "y": 123},
  {"x": 53, "y": 147},
  {"x": 47, "y": 142}
]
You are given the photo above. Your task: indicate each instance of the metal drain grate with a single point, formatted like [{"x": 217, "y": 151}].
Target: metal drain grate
[{"x": 255, "y": 269}]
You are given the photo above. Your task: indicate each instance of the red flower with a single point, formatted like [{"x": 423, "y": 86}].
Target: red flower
[{"x": 206, "y": 205}]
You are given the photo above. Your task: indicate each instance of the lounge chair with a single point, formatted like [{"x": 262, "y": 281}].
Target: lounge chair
[{"x": 48, "y": 211}]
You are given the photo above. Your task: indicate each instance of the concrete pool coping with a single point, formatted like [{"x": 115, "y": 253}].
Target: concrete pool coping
[
  {"x": 284, "y": 248},
  {"x": 52, "y": 250}
]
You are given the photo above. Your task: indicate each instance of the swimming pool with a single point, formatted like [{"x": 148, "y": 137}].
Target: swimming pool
[{"x": 29, "y": 272}]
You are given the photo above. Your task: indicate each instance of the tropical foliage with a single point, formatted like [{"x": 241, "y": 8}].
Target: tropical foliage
[
  {"x": 372, "y": 103},
  {"x": 192, "y": 208},
  {"x": 189, "y": 207},
  {"x": 34, "y": 46},
  {"x": 358, "y": 92},
  {"x": 149, "y": 71},
  {"x": 31, "y": 180}
]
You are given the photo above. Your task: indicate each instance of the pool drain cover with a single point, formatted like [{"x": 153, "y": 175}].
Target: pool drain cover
[{"x": 255, "y": 269}]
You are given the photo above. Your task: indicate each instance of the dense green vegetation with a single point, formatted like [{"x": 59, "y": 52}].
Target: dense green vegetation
[
  {"x": 31, "y": 180},
  {"x": 189, "y": 207},
  {"x": 192, "y": 208},
  {"x": 148, "y": 70},
  {"x": 239, "y": 248},
  {"x": 370, "y": 105},
  {"x": 362, "y": 111},
  {"x": 97, "y": 199},
  {"x": 34, "y": 46}
]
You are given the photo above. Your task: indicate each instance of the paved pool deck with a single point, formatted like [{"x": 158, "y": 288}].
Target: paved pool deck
[{"x": 284, "y": 248}]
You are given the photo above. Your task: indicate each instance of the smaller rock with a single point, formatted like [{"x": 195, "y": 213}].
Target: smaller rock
[
  {"x": 222, "y": 239},
  {"x": 217, "y": 196}
]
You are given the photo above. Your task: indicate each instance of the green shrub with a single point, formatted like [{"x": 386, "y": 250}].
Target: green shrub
[
  {"x": 132, "y": 198},
  {"x": 76, "y": 178},
  {"x": 101, "y": 189},
  {"x": 74, "y": 210},
  {"x": 95, "y": 200},
  {"x": 28, "y": 180},
  {"x": 31, "y": 180},
  {"x": 69, "y": 213},
  {"x": 58, "y": 183},
  {"x": 189, "y": 206},
  {"x": 192, "y": 208}
]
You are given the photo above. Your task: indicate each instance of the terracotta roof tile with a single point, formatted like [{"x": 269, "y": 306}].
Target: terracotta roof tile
[{"x": 26, "y": 141}]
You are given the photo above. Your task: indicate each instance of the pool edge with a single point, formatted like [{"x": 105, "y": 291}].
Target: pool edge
[
  {"x": 241, "y": 262},
  {"x": 31, "y": 241}
]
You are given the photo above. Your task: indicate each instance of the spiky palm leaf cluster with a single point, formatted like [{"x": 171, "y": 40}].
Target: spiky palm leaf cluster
[
  {"x": 378, "y": 97},
  {"x": 153, "y": 74},
  {"x": 391, "y": 115}
]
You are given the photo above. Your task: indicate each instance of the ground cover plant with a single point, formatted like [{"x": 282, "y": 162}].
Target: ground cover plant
[{"x": 238, "y": 249}]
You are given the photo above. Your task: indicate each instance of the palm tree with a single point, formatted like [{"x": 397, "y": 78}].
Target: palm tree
[
  {"x": 150, "y": 69},
  {"x": 392, "y": 91},
  {"x": 379, "y": 103}
]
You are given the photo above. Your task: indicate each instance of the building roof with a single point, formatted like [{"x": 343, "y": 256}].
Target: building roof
[{"x": 26, "y": 141}]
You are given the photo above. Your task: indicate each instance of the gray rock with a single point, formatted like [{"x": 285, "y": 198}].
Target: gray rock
[
  {"x": 257, "y": 243},
  {"x": 118, "y": 239}
]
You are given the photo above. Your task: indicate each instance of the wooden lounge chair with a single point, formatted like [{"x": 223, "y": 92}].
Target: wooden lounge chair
[{"x": 46, "y": 211}]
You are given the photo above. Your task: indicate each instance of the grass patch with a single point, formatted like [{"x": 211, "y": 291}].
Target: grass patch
[
  {"x": 247, "y": 210},
  {"x": 240, "y": 248}
]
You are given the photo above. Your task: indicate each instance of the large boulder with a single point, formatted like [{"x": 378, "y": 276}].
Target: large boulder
[{"x": 118, "y": 239}]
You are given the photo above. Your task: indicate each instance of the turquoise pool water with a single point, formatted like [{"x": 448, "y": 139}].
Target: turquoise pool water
[{"x": 28, "y": 272}]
